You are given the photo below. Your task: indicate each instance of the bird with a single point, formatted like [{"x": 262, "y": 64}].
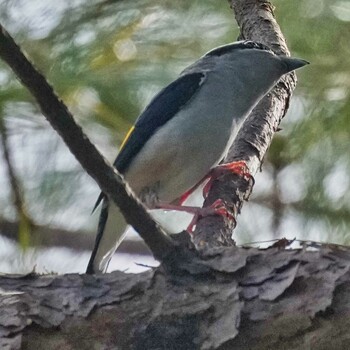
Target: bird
[{"x": 180, "y": 138}]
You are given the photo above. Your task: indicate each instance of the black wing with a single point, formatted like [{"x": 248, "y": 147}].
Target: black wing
[{"x": 160, "y": 110}]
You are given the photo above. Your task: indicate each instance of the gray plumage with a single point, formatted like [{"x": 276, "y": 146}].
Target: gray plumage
[{"x": 188, "y": 128}]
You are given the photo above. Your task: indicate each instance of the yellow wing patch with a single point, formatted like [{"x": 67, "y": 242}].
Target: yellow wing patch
[{"x": 127, "y": 137}]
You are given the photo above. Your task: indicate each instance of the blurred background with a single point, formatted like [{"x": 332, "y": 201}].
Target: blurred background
[{"x": 106, "y": 59}]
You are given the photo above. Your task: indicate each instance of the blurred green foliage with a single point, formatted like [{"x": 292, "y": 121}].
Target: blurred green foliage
[{"x": 106, "y": 59}]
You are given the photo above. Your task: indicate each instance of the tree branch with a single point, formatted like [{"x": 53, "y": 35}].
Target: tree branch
[
  {"x": 252, "y": 299},
  {"x": 96, "y": 166},
  {"x": 256, "y": 21}
]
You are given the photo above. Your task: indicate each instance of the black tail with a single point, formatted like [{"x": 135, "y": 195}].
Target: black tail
[{"x": 101, "y": 226}]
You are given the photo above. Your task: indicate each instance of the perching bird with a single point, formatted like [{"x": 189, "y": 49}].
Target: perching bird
[{"x": 187, "y": 129}]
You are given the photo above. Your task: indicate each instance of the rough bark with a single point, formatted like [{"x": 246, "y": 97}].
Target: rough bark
[{"x": 246, "y": 299}]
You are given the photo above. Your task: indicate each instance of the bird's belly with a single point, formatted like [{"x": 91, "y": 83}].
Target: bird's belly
[{"x": 180, "y": 154}]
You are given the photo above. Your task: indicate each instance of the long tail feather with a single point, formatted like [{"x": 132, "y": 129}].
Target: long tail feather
[{"x": 109, "y": 236}]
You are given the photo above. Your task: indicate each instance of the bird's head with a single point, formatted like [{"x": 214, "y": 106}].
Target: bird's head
[{"x": 253, "y": 56}]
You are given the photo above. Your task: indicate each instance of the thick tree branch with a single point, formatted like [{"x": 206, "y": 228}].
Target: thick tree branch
[
  {"x": 96, "y": 166},
  {"x": 256, "y": 21},
  {"x": 252, "y": 299}
]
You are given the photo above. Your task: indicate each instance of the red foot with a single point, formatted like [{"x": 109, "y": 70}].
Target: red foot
[
  {"x": 217, "y": 208},
  {"x": 239, "y": 168}
]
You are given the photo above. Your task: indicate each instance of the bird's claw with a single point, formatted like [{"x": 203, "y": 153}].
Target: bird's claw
[
  {"x": 217, "y": 208},
  {"x": 239, "y": 168}
]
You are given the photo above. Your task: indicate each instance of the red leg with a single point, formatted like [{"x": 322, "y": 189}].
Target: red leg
[
  {"x": 186, "y": 208},
  {"x": 240, "y": 168},
  {"x": 217, "y": 208},
  {"x": 192, "y": 189}
]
